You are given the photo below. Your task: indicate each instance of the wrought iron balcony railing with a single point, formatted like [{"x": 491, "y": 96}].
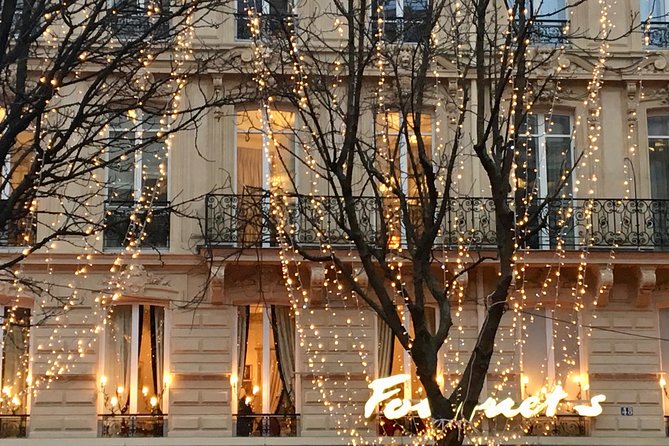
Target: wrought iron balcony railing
[
  {"x": 561, "y": 425},
  {"x": 266, "y": 425},
  {"x": 656, "y": 34},
  {"x": 270, "y": 25},
  {"x": 13, "y": 426},
  {"x": 131, "y": 21},
  {"x": 549, "y": 32},
  {"x": 118, "y": 223},
  {"x": 132, "y": 425},
  {"x": 243, "y": 220}
]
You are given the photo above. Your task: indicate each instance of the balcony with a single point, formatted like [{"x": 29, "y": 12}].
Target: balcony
[
  {"x": 402, "y": 29},
  {"x": 118, "y": 227},
  {"x": 13, "y": 426},
  {"x": 547, "y": 32},
  {"x": 270, "y": 25},
  {"x": 131, "y": 21},
  {"x": 242, "y": 221},
  {"x": 132, "y": 425},
  {"x": 656, "y": 34},
  {"x": 266, "y": 425}
]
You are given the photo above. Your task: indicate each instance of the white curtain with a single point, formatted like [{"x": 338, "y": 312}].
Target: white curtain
[
  {"x": 243, "y": 314},
  {"x": 284, "y": 343},
  {"x": 117, "y": 363},
  {"x": 386, "y": 344}
]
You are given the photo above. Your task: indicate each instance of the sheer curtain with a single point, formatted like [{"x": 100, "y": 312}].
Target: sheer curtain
[
  {"x": 386, "y": 343},
  {"x": 15, "y": 352},
  {"x": 118, "y": 353},
  {"x": 284, "y": 343},
  {"x": 243, "y": 314}
]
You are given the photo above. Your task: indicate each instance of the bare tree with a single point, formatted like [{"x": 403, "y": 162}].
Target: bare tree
[
  {"x": 388, "y": 190},
  {"x": 92, "y": 93}
]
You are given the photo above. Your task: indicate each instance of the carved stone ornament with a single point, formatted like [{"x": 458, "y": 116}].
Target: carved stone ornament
[
  {"x": 646, "y": 281},
  {"x": 317, "y": 280},
  {"x": 603, "y": 285},
  {"x": 139, "y": 282}
]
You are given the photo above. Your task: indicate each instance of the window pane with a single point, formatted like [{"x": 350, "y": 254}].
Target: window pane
[
  {"x": 664, "y": 347},
  {"x": 558, "y": 162},
  {"x": 15, "y": 356},
  {"x": 658, "y": 125},
  {"x": 654, "y": 8},
  {"x": 558, "y": 125},
  {"x": 535, "y": 352},
  {"x": 121, "y": 170},
  {"x": 550, "y": 9},
  {"x": 566, "y": 351},
  {"x": 154, "y": 166},
  {"x": 117, "y": 350},
  {"x": 150, "y": 361}
]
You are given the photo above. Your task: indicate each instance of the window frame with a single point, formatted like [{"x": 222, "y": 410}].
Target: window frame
[
  {"x": 548, "y": 314},
  {"x": 135, "y": 132},
  {"x": 398, "y": 21},
  {"x": 134, "y": 359},
  {"x": 241, "y": 17}
]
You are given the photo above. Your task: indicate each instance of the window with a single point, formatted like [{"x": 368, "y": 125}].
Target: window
[
  {"x": 19, "y": 229},
  {"x": 136, "y": 175},
  {"x": 266, "y": 370},
  {"x": 658, "y": 159},
  {"x": 130, "y": 19},
  {"x": 258, "y": 173},
  {"x": 275, "y": 17},
  {"x": 15, "y": 366},
  {"x": 394, "y": 360},
  {"x": 400, "y": 156},
  {"x": 403, "y": 20},
  {"x": 653, "y": 15},
  {"x": 544, "y": 161},
  {"x": 134, "y": 380},
  {"x": 664, "y": 358},
  {"x": 549, "y": 22},
  {"x": 551, "y": 354}
]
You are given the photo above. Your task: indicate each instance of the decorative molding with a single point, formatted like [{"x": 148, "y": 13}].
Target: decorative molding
[
  {"x": 217, "y": 286},
  {"x": 612, "y": 376},
  {"x": 603, "y": 284},
  {"x": 646, "y": 281},
  {"x": 143, "y": 284},
  {"x": 316, "y": 281}
]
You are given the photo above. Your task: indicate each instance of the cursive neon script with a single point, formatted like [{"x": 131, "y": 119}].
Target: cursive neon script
[{"x": 382, "y": 391}]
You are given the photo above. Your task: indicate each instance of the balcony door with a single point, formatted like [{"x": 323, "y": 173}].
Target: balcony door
[
  {"x": 265, "y": 162},
  {"x": 658, "y": 160},
  {"x": 545, "y": 160}
]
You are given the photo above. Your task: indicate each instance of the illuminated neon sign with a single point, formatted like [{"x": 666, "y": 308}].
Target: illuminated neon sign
[{"x": 382, "y": 391}]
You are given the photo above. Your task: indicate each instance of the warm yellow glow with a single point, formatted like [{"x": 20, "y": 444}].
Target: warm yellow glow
[
  {"x": 167, "y": 379},
  {"x": 114, "y": 401},
  {"x": 119, "y": 389},
  {"x": 103, "y": 380},
  {"x": 256, "y": 389},
  {"x": 145, "y": 391},
  {"x": 16, "y": 402},
  {"x": 526, "y": 380},
  {"x": 234, "y": 379},
  {"x": 663, "y": 382},
  {"x": 153, "y": 401}
]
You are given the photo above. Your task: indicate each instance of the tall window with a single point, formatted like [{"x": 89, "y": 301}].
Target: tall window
[
  {"x": 653, "y": 16},
  {"x": 658, "y": 159},
  {"x": 544, "y": 161},
  {"x": 266, "y": 359},
  {"x": 134, "y": 380},
  {"x": 551, "y": 353},
  {"x": 398, "y": 151},
  {"x": 19, "y": 229},
  {"x": 137, "y": 173},
  {"x": 394, "y": 360},
  {"x": 15, "y": 360},
  {"x": 275, "y": 17},
  {"x": 403, "y": 20}
]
